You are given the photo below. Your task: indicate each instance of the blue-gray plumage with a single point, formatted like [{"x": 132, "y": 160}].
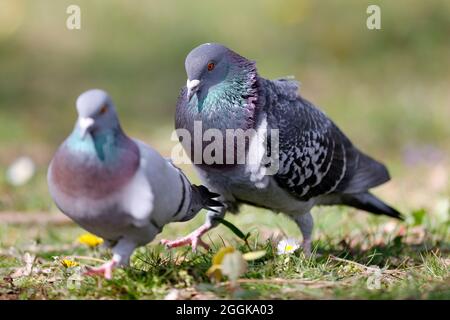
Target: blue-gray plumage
[
  {"x": 117, "y": 187},
  {"x": 318, "y": 165}
]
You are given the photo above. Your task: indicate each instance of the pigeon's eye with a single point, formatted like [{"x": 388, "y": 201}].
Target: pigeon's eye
[
  {"x": 211, "y": 66},
  {"x": 104, "y": 109}
]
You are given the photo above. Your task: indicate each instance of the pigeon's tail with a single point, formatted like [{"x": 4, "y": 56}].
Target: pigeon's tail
[
  {"x": 201, "y": 198},
  {"x": 206, "y": 198},
  {"x": 368, "y": 202}
]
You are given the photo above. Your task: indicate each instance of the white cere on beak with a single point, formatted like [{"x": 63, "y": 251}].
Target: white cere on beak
[
  {"x": 85, "y": 124},
  {"x": 192, "y": 87},
  {"x": 192, "y": 83}
]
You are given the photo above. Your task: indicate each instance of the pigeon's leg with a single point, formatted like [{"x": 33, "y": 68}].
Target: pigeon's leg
[
  {"x": 108, "y": 244},
  {"x": 121, "y": 256},
  {"x": 306, "y": 224},
  {"x": 194, "y": 239}
]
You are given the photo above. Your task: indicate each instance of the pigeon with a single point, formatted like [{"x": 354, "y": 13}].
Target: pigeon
[
  {"x": 316, "y": 164},
  {"x": 116, "y": 187}
]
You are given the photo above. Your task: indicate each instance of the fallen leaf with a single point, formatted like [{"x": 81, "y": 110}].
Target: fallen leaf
[{"x": 234, "y": 265}]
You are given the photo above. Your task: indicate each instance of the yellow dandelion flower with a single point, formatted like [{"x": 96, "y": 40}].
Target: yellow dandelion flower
[
  {"x": 69, "y": 263},
  {"x": 90, "y": 240}
]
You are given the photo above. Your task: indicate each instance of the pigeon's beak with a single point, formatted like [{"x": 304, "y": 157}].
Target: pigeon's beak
[
  {"x": 192, "y": 88},
  {"x": 85, "y": 124}
]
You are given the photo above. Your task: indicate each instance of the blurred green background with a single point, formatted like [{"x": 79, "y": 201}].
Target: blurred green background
[{"x": 388, "y": 89}]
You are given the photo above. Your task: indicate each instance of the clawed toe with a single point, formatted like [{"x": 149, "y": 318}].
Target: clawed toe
[{"x": 193, "y": 241}]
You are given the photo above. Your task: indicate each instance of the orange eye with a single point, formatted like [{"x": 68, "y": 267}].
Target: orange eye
[
  {"x": 104, "y": 109},
  {"x": 211, "y": 66}
]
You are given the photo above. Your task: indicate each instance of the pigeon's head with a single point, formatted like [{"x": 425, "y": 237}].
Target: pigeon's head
[
  {"x": 206, "y": 66},
  {"x": 96, "y": 112}
]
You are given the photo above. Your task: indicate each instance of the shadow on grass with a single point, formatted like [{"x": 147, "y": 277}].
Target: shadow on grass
[{"x": 394, "y": 253}]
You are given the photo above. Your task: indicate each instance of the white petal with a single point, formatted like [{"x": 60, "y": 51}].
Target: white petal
[{"x": 20, "y": 171}]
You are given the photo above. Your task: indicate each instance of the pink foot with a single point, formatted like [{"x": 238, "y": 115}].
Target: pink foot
[
  {"x": 307, "y": 247},
  {"x": 193, "y": 239},
  {"x": 105, "y": 270}
]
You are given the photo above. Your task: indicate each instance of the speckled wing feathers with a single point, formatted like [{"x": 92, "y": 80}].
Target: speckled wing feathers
[{"x": 316, "y": 158}]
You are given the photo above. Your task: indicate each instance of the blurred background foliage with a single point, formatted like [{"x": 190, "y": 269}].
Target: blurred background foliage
[{"x": 389, "y": 90}]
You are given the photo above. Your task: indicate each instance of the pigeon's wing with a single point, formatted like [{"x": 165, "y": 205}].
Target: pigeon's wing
[
  {"x": 181, "y": 109},
  {"x": 138, "y": 197},
  {"x": 170, "y": 188},
  {"x": 316, "y": 158}
]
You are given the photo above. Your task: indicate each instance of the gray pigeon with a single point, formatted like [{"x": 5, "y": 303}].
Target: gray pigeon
[
  {"x": 317, "y": 163},
  {"x": 116, "y": 187}
]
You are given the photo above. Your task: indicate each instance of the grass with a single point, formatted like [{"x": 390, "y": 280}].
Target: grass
[
  {"x": 410, "y": 259},
  {"x": 350, "y": 249}
]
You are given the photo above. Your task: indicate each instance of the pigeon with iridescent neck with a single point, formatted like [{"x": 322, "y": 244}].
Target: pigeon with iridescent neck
[
  {"x": 117, "y": 187},
  {"x": 315, "y": 163}
]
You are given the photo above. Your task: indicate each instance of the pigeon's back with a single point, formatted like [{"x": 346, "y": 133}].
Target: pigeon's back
[{"x": 316, "y": 158}]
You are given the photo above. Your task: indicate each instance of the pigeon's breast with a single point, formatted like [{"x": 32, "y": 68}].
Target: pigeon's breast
[
  {"x": 216, "y": 135},
  {"x": 211, "y": 142},
  {"x": 86, "y": 176},
  {"x": 90, "y": 193}
]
